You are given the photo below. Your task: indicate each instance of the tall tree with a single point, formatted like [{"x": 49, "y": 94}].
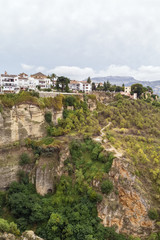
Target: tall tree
[
  {"x": 108, "y": 85},
  {"x": 63, "y": 83},
  {"x": 52, "y": 76},
  {"x": 105, "y": 86},
  {"x": 88, "y": 80},
  {"x": 93, "y": 86}
]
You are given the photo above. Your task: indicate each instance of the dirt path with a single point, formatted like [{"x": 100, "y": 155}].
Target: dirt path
[{"x": 106, "y": 144}]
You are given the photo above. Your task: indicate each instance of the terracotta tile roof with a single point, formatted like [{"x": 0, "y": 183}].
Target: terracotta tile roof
[
  {"x": 7, "y": 75},
  {"x": 38, "y": 75},
  {"x": 74, "y": 82},
  {"x": 22, "y": 74},
  {"x": 84, "y": 82}
]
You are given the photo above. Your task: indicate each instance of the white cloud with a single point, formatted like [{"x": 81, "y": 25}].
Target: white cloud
[
  {"x": 73, "y": 72},
  {"x": 143, "y": 73},
  {"x": 40, "y": 69},
  {"x": 80, "y": 33},
  {"x": 26, "y": 67}
]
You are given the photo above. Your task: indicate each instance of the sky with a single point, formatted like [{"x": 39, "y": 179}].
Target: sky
[{"x": 81, "y": 38}]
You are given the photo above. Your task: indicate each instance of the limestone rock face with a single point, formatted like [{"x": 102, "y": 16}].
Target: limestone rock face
[
  {"x": 49, "y": 169},
  {"x": 7, "y": 236},
  {"x": 24, "y": 121},
  {"x": 30, "y": 235},
  {"x": 44, "y": 173},
  {"x": 92, "y": 104},
  {"x": 103, "y": 97},
  {"x": 127, "y": 207},
  {"x": 27, "y": 235},
  {"x": 9, "y": 165}
]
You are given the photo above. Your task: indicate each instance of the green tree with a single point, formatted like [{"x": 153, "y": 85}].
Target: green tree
[
  {"x": 93, "y": 86},
  {"x": 137, "y": 88},
  {"x": 108, "y": 85},
  {"x": 106, "y": 186},
  {"x": 88, "y": 80},
  {"x": 24, "y": 159},
  {"x": 62, "y": 82}
]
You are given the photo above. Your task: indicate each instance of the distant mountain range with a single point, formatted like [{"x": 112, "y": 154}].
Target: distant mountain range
[{"x": 128, "y": 81}]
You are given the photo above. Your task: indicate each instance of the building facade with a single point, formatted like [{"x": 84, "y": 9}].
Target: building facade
[
  {"x": 16, "y": 83},
  {"x": 9, "y": 83},
  {"x": 83, "y": 86}
]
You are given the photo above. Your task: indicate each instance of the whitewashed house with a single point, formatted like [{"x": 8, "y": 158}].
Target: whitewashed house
[
  {"x": 41, "y": 80},
  {"x": 23, "y": 81},
  {"x": 80, "y": 86},
  {"x": 86, "y": 87},
  {"x": 9, "y": 83},
  {"x": 74, "y": 86},
  {"x": 127, "y": 90}
]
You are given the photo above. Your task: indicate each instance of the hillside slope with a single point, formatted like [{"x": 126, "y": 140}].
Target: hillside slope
[{"x": 99, "y": 166}]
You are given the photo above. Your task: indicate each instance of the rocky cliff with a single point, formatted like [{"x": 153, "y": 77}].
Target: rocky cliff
[
  {"x": 24, "y": 121},
  {"x": 127, "y": 207},
  {"x": 43, "y": 172}
]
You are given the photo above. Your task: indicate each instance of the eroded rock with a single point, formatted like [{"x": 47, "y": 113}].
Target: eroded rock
[{"x": 127, "y": 207}]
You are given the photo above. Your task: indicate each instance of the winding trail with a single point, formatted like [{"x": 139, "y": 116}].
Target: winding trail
[{"x": 106, "y": 144}]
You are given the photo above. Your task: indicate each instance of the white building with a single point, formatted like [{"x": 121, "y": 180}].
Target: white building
[
  {"x": 15, "y": 83},
  {"x": 127, "y": 90},
  {"x": 9, "y": 83},
  {"x": 23, "y": 81},
  {"x": 87, "y": 87},
  {"x": 74, "y": 85},
  {"x": 41, "y": 80},
  {"x": 80, "y": 86}
]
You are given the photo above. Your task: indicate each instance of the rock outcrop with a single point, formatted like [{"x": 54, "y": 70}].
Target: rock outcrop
[
  {"x": 27, "y": 235},
  {"x": 9, "y": 165},
  {"x": 45, "y": 173},
  {"x": 127, "y": 207},
  {"x": 49, "y": 169},
  {"x": 24, "y": 121}
]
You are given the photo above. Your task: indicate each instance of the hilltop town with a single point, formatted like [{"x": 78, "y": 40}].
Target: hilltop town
[
  {"x": 38, "y": 81},
  {"x": 10, "y": 83}
]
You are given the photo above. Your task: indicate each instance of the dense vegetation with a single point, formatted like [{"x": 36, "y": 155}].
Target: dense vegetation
[
  {"x": 71, "y": 212},
  {"x": 9, "y": 100},
  {"x": 135, "y": 128},
  {"x": 76, "y": 118}
]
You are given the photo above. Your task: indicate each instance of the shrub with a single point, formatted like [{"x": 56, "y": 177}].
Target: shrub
[
  {"x": 2, "y": 201},
  {"x": 24, "y": 159},
  {"x": 108, "y": 165},
  {"x": 8, "y": 227},
  {"x": 70, "y": 101},
  {"x": 106, "y": 186},
  {"x": 102, "y": 157},
  {"x": 94, "y": 196},
  {"x": 96, "y": 151},
  {"x": 34, "y": 94},
  {"x": 92, "y": 97},
  {"x": 153, "y": 214},
  {"x": 23, "y": 177},
  {"x": 48, "y": 117}
]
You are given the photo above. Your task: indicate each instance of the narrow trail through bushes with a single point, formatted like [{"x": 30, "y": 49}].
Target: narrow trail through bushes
[{"x": 106, "y": 144}]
